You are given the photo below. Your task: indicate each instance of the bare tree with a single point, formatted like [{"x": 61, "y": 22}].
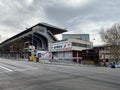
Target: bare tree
[{"x": 111, "y": 36}]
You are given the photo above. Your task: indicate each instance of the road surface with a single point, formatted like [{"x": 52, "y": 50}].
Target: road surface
[{"x": 24, "y": 75}]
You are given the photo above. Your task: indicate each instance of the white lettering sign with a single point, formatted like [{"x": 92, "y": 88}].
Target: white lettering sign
[{"x": 60, "y": 47}]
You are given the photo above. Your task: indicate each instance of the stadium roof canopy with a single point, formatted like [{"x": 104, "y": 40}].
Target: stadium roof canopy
[{"x": 53, "y": 29}]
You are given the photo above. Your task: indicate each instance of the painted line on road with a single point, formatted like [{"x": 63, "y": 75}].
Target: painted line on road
[{"x": 6, "y": 68}]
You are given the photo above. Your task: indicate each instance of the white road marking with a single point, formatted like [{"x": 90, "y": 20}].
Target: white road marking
[{"x": 6, "y": 68}]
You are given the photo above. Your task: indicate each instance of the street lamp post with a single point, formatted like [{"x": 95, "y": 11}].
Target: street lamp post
[{"x": 32, "y": 39}]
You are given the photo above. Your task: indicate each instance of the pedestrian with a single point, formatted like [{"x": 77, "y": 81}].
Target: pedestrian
[
  {"x": 52, "y": 57},
  {"x": 104, "y": 63},
  {"x": 22, "y": 56}
]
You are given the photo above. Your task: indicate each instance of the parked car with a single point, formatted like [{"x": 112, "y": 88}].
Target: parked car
[
  {"x": 114, "y": 65},
  {"x": 117, "y": 65}
]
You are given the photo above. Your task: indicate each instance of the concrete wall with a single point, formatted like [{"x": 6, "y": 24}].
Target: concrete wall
[{"x": 80, "y": 36}]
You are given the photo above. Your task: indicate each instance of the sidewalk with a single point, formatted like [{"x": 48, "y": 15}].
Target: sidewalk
[
  {"x": 57, "y": 63},
  {"x": 67, "y": 64}
]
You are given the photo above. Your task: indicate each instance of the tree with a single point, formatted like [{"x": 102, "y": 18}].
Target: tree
[{"x": 111, "y": 36}]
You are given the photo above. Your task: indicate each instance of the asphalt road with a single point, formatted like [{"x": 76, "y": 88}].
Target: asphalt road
[{"x": 24, "y": 75}]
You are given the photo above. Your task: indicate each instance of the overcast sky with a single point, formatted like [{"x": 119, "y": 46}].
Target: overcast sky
[{"x": 78, "y": 16}]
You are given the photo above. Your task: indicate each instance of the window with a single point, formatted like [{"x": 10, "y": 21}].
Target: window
[{"x": 80, "y": 45}]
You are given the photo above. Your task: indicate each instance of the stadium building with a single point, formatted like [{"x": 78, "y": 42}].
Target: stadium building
[{"x": 36, "y": 37}]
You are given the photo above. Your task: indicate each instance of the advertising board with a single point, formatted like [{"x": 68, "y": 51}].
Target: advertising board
[{"x": 60, "y": 47}]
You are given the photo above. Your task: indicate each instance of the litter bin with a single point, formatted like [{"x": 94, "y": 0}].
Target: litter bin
[
  {"x": 40, "y": 60},
  {"x": 31, "y": 58},
  {"x": 37, "y": 59}
]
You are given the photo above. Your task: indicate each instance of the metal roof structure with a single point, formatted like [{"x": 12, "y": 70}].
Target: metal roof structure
[{"x": 53, "y": 29}]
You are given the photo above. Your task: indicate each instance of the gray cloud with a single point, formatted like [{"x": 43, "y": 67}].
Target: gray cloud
[{"x": 79, "y": 16}]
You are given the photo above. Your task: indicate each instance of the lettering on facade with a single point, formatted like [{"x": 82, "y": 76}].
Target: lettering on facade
[{"x": 60, "y": 47}]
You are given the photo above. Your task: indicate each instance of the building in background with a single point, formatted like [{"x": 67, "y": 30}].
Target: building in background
[
  {"x": 70, "y": 49},
  {"x": 97, "y": 55},
  {"x": 41, "y": 38},
  {"x": 104, "y": 54}
]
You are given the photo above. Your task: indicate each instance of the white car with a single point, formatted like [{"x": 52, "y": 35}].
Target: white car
[{"x": 117, "y": 65}]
